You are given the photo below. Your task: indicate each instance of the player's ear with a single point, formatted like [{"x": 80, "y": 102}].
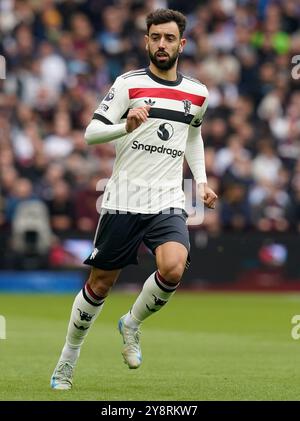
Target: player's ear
[
  {"x": 182, "y": 44},
  {"x": 146, "y": 42}
]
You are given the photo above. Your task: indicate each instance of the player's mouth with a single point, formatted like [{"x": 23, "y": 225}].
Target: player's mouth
[{"x": 161, "y": 55}]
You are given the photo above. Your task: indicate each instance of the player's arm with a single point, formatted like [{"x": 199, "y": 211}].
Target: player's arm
[
  {"x": 105, "y": 125},
  {"x": 194, "y": 155},
  {"x": 99, "y": 132}
]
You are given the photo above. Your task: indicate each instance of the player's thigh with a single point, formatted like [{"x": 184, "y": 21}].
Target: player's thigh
[
  {"x": 168, "y": 237},
  {"x": 171, "y": 260}
]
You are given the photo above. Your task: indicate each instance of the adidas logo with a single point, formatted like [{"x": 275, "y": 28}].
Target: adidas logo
[{"x": 149, "y": 102}]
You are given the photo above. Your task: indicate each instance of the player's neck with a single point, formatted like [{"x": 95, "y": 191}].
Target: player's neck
[{"x": 170, "y": 75}]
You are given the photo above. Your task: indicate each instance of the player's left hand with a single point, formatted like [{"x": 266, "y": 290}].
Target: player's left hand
[{"x": 207, "y": 195}]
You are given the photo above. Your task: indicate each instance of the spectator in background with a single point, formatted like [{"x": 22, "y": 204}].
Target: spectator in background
[
  {"x": 271, "y": 211},
  {"x": 226, "y": 156},
  {"x": 61, "y": 208},
  {"x": 235, "y": 212},
  {"x": 240, "y": 172},
  {"x": 85, "y": 205},
  {"x": 266, "y": 164},
  {"x": 21, "y": 192},
  {"x": 114, "y": 42},
  {"x": 62, "y": 56},
  {"x": 59, "y": 143},
  {"x": 52, "y": 67}
]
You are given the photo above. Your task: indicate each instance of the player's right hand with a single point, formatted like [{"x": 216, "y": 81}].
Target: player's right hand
[
  {"x": 136, "y": 116},
  {"x": 207, "y": 195}
]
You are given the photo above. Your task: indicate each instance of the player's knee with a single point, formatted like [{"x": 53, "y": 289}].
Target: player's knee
[
  {"x": 100, "y": 283},
  {"x": 98, "y": 287},
  {"x": 172, "y": 272}
]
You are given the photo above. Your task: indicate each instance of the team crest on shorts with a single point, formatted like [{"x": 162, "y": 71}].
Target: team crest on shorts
[{"x": 94, "y": 253}]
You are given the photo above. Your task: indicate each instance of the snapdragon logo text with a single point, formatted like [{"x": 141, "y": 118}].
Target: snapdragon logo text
[
  {"x": 2, "y": 327},
  {"x": 154, "y": 149}
]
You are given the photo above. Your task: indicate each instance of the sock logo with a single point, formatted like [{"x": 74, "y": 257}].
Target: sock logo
[
  {"x": 157, "y": 302},
  {"x": 85, "y": 316},
  {"x": 80, "y": 327}
]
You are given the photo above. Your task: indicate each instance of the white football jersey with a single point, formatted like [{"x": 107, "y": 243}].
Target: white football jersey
[{"x": 147, "y": 173}]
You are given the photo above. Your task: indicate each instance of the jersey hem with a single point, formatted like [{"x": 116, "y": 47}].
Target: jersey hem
[{"x": 142, "y": 211}]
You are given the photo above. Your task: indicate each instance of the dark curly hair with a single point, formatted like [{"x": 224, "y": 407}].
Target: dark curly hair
[{"x": 164, "y": 16}]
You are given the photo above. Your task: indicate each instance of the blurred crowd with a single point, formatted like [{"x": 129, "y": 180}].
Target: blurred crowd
[{"x": 63, "y": 55}]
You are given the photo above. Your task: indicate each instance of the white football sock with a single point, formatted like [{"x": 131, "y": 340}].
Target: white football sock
[
  {"x": 154, "y": 295},
  {"x": 86, "y": 308}
]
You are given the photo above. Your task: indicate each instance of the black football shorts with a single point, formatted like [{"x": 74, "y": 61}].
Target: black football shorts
[{"x": 119, "y": 236}]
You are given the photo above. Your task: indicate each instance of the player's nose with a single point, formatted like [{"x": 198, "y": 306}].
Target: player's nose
[{"x": 162, "y": 44}]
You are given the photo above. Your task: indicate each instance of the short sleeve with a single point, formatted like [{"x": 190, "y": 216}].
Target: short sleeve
[{"x": 115, "y": 104}]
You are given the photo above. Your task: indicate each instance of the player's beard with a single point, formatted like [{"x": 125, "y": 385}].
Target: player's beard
[{"x": 164, "y": 65}]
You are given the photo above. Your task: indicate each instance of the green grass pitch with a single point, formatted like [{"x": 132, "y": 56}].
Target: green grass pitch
[{"x": 199, "y": 347}]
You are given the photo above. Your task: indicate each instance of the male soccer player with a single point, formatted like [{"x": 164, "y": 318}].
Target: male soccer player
[{"x": 154, "y": 116}]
